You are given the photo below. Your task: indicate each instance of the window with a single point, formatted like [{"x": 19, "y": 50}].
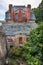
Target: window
[
  {"x": 20, "y": 40},
  {"x": 10, "y": 40},
  {"x": 27, "y": 39}
]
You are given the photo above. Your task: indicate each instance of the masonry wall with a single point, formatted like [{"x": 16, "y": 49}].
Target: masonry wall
[
  {"x": 2, "y": 45},
  {"x": 15, "y": 39}
]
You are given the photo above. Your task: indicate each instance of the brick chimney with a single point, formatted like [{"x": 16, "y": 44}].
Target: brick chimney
[
  {"x": 11, "y": 11},
  {"x": 28, "y": 12},
  {"x": 29, "y": 6},
  {"x": 10, "y": 7}
]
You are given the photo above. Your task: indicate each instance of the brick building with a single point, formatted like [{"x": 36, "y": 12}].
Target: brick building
[{"x": 19, "y": 21}]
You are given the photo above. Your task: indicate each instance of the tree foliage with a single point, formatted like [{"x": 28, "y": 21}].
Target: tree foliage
[
  {"x": 39, "y": 12},
  {"x": 33, "y": 49}
]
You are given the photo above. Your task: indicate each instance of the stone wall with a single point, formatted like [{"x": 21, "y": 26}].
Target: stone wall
[
  {"x": 15, "y": 39},
  {"x": 2, "y": 44}
]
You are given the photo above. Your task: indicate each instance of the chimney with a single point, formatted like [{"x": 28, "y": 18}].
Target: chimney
[
  {"x": 11, "y": 11},
  {"x": 28, "y": 12},
  {"x": 10, "y": 7},
  {"x": 29, "y": 6}
]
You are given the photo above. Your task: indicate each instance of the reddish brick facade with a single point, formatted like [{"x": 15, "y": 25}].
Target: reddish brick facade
[{"x": 20, "y": 13}]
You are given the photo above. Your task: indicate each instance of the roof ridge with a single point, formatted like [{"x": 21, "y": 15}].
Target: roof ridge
[{"x": 19, "y": 6}]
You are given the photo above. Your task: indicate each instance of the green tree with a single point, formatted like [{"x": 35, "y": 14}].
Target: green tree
[
  {"x": 33, "y": 49},
  {"x": 41, "y": 9},
  {"x": 39, "y": 12}
]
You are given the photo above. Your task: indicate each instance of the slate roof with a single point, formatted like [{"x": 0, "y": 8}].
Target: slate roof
[
  {"x": 19, "y": 7},
  {"x": 7, "y": 16},
  {"x": 32, "y": 16},
  {"x": 13, "y": 29}
]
